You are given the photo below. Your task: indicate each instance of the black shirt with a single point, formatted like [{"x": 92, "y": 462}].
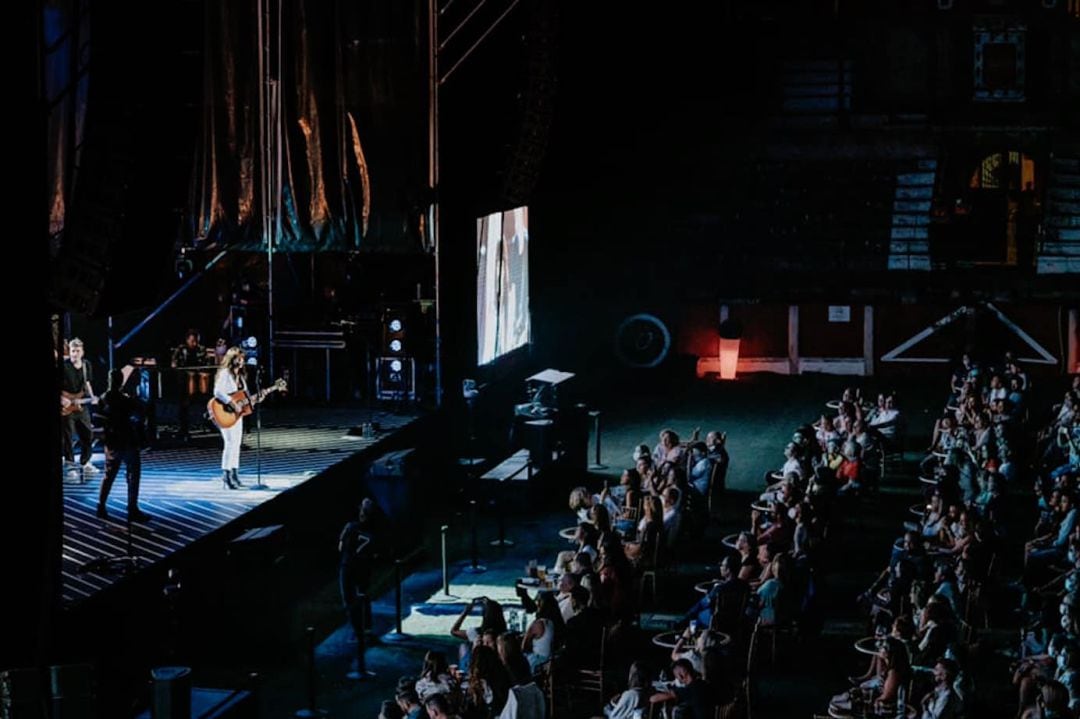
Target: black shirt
[
  {"x": 583, "y": 637},
  {"x": 75, "y": 379},
  {"x": 122, "y": 416},
  {"x": 185, "y": 356},
  {"x": 355, "y": 537}
]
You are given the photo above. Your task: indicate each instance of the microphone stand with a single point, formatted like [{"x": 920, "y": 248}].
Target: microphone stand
[
  {"x": 259, "y": 485},
  {"x": 126, "y": 563}
]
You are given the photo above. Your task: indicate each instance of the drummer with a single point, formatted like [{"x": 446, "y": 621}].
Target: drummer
[{"x": 190, "y": 354}]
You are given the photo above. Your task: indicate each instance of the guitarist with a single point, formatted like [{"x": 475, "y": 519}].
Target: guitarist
[
  {"x": 77, "y": 376},
  {"x": 231, "y": 378}
]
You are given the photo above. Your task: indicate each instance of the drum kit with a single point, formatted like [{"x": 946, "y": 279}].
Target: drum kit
[{"x": 197, "y": 379}]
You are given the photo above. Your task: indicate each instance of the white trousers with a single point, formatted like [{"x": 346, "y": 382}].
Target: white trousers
[{"x": 233, "y": 436}]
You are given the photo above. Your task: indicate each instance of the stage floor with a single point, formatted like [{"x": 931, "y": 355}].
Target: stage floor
[{"x": 181, "y": 488}]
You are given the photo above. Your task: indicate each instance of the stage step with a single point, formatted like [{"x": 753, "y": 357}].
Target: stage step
[
  {"x": 909, "y": 248},
  {"x": 1059, "y": 253},
  {"x": 516, "y": 468}
]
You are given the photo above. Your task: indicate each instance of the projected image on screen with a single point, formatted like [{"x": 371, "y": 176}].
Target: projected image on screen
[{"x": 502, "y": 283}]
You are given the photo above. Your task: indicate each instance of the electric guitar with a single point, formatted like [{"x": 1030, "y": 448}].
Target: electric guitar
[
  {"x": 243, "y": 403},
  {"x": 72, "y": 402}
]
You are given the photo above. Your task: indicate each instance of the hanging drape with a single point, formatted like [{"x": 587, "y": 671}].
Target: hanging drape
[
  {"x": 66, "y": 31},
  {"x": 351, "y": 153}
]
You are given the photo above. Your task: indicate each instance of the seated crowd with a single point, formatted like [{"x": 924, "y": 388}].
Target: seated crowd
[
  {"x": 942, "y": 584},
  {"x": 581, "y": 636}
]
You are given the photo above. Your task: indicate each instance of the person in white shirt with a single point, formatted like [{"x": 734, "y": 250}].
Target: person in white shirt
[
  {"x": 581, "y": 501},
  {"x": 941, "y": 702},
  {"x": 231, "y": 379},
  {"x": 997, "y": 389},
  {"x": 700, "y": 468},
  {"x": 634, "y": 699},
  {"x": 885, "y": 416},
  {"x": 668, "y": 449},
  {"x": 672, "y": 513}
]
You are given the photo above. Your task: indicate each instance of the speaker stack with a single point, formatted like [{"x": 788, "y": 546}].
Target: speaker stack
[{"x": 395, "y": 369}]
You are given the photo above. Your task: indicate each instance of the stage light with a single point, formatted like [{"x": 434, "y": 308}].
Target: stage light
[
  {"x": 251, "y": 343},
  {"x": 395, "y": 345},
  {"x": 729, "y": 358},
  {"x": 395, "y": 325},
  {"x": 395, "y": 365},
  {"x": 730, "y": 338}
]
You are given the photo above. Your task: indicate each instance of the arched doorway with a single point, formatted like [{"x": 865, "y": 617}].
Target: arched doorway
[{"x": 989, "y": 214}]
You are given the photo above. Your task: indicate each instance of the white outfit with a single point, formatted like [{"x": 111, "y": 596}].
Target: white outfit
[
  {"x": 628, "y": 702},
  {"x": 941, "y": 704},
  {"x": 793, "y": 466},
  {"x": 225, "y": 385},
  {"x": 884, "y": 420},
  {"x": 565, "y": 608},
  {"x": 699, "y": 475},
  {"x": 426, "y": 687},
  {"x": 525, "y": 701},
  {"x": 541, "y": 646},
  {"x": 609, "y": 503}
]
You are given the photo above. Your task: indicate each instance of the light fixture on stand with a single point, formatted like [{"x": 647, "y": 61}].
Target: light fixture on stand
[{"x": 730, "y": 338}]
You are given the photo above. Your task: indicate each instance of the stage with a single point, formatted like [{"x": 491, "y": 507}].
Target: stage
[{"x": 182, "y": 490}]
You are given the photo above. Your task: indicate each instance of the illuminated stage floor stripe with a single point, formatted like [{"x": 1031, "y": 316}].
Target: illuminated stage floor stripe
[{"x": 181, "y": 488}]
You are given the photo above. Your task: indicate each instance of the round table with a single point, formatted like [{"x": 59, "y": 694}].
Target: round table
[
  {"x": 911, "y": 713},
  {"x": 834, "y": 403},
  {"x": 777, "y": 475},
  {"x": 760, "y": 507},
  {"x": 668, "y": 640},
  {"x": 930, "y": 480},
  {"x": 868, "y": 645},
  {"x": 939, "y": 454},
  {"x": 706, "y": 586},
  {"x": 919, "y": 510},
  {"x": 730, "y": 540},
  {"x": 568, "y": 533}
]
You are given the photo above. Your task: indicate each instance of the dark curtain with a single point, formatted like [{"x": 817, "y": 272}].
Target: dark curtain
[
  {"x": 354, "y": 125},
  {"x": 66, "y": 31}
]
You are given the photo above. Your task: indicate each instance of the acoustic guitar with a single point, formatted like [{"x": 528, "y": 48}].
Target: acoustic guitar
[
  {"x": 72, "y": 402},
  {"x": 243, "y": 403}
]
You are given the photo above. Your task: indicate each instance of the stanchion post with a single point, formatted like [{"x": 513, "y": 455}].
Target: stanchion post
[
  {"x": 502, "y": 541},
  {"x": 474, "y": 566},
  {"x": 445, "y": 566},
  {"x": 397, "y": 594},
  {"x": 472, "y": 522},
  {"x": 312, "y": 709},
  {"x": 595, "y": 414}
]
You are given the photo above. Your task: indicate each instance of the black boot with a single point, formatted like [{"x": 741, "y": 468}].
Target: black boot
[
  {"x": 226, "y": 479},
  {"x": 235, "y": 478}
]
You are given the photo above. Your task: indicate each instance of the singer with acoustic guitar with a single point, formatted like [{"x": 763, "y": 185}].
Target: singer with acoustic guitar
[
  {"x": 230, "y": 404},
  {"x": 75, "y": 394}
]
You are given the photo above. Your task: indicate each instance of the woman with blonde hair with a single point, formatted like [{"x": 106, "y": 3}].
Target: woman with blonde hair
[{"x": 231, "y": 378}]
